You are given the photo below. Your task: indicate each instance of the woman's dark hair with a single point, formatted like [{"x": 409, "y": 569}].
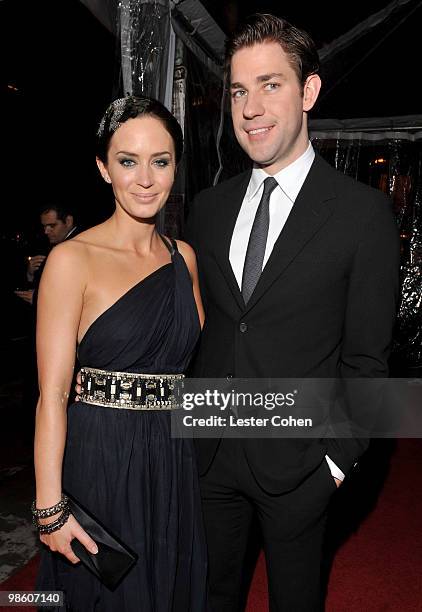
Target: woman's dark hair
[
  {"x": 263, "y": 28},
  {"x": 131, "y": 107}
]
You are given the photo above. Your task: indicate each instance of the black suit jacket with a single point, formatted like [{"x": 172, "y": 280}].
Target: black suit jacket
[{"x": 324, "y": 306}]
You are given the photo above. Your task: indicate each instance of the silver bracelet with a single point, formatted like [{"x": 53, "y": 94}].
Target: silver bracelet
[
  {"x": 46, "y": 512},
  {"x": 55, "y": 525}
]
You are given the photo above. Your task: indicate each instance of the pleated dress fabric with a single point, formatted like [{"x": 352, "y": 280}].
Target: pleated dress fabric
[{"x": 124, "y": 466}]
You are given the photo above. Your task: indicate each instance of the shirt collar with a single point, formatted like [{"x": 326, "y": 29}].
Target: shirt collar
[
  {"x": 290, "y": 178},
  {"x": 70, "y": 232}
]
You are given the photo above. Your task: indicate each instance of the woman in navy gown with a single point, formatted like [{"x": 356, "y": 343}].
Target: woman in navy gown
[{"x": 127, "y": 299}]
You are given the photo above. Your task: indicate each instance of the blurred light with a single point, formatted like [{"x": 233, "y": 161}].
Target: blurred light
[
  {"x": 12, "y": 87},
  {"x": 380, "y": 160}
]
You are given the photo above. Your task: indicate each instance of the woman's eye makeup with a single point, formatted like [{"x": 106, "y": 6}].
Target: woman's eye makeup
[
  {"x": 126, "y": 162},
  {"x": 162, "y": 162}
]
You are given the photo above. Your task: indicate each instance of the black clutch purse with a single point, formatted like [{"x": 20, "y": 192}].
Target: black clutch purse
[{"x": 113, "y": 560}]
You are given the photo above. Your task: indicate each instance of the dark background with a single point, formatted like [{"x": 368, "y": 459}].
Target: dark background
[
  {"x": 57, "y": 76},
  {"x": 59, "y": 65}
]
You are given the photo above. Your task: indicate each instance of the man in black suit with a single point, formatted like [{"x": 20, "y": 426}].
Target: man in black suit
[
  {"x": 58, "y": 225},
  {"x": 58, "y": 222},
  {"x": 321, "y": 305}
]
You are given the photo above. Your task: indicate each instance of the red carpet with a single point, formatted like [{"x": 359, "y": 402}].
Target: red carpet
[
  {"x": 23, "y": 580},
  {"x": 377, "y": 569}
]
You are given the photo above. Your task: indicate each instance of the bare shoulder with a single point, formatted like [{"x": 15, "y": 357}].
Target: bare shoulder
[
  {"x": 189, "y": 256},
  {"x": 67, "y": 264},
  {"x": 79, "y": 250},
  {"x": 91, "y": 236},
  {"x": 67, "y": 253},
  {"x": 186, "y": 251}
]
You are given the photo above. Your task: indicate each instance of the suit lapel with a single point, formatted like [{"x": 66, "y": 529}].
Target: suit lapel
[
  {"x": 231, "y": 202},
  {"x": 310, "y": 212}
]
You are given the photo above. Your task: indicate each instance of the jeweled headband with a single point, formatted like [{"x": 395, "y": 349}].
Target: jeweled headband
[{"x": 113, "y": 115}]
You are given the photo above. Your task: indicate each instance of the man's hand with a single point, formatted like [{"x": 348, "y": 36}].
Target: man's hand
[
  {"x": 26, "y": 295},
  {"x": 78, "y": 386},
  {"x": 34, "y": 264}
]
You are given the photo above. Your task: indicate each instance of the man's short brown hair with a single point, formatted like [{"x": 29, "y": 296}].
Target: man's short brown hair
[{"x": 263, "y": 28}]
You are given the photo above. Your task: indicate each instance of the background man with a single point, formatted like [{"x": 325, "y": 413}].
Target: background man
[
  {"x": 59, "y": 225},
  {"x": 299, "y": 274}
]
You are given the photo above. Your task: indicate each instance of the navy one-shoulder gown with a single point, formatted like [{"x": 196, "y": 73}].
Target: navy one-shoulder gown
[{"x": 124, "y": 466}]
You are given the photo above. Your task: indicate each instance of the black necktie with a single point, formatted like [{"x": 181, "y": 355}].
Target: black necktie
[{"x": 257, "y": 241}]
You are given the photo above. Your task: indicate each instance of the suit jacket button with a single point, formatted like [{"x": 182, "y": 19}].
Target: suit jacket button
[{"x": 243, "y": 327}]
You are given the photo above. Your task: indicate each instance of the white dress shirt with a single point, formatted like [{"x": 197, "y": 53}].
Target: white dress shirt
[{"x": 282, "y": 199}]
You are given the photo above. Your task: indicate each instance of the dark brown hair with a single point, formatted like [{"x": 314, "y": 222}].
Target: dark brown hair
[
  {"x": 131, "y": 107},
  {"x": 62, "y": 210},
  {"x": 262, "y": 28}
]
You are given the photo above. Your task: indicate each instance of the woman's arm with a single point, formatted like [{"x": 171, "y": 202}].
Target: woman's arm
[
  {"x": 189, "y": 256},
  {"x": 60, "y": 303}
]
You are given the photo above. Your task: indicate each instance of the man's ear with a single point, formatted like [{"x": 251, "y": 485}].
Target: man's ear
[
  {"x": 69, "y": 220},
  {"x": 310, "y": 91},
  {"x": 103, "y": 170}
]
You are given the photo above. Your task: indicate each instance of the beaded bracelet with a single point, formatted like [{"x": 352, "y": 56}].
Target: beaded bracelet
[
  {"x": 55, "y": 525},
  {"x": 46, "y": 512}
]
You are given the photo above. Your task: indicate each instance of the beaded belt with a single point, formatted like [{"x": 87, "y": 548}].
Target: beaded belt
[{"x": 131, "y": 391}]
